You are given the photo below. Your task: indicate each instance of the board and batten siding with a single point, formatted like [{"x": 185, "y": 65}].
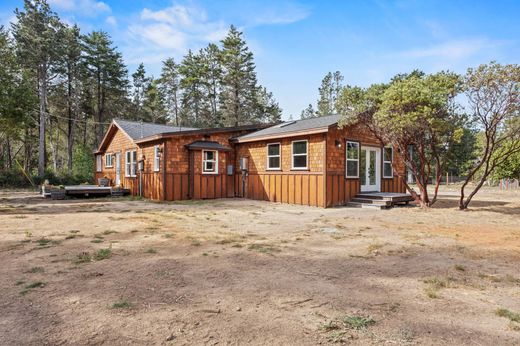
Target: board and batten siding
[{"x": 286, "y": 185}]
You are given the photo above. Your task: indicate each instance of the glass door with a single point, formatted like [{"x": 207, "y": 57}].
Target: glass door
[
  {"x": 118, "y": 168},
  {"x": 370, "y": 169}
]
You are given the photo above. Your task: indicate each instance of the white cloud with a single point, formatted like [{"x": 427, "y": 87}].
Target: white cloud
[
  {"x": 111, "y": 20},
  {"x": 174, "y": 30},
  {"x": 82, "y": 7},
  {"x": 452, "y": 50},
  {"x": 283, "y": 12}
]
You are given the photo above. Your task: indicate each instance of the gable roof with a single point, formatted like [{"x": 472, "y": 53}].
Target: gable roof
[
  {"x": 137, "y": 130},
  {"x": 292, "y": 128}
]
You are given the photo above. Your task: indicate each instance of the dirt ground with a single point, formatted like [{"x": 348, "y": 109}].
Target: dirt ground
[{"x": 234, "y": 272}]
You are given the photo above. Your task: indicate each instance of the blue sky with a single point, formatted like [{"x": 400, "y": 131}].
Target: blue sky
[{"x": 297, "y": 42}]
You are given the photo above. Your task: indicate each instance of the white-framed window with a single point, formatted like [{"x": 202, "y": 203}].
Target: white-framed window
[
  {"x": 130, "y": 163},
  {"x": 299, "y": 154},
  {"x": 388, "y": 157},
  {"x": 274, "y": 156},
  {"x": 352, "y": 157},
  {"x": 209, "y": 161},
  {"x": 99, "y": 167},
  {"x": 109, "y": 160},
  {"x": 156, "y": 159}
]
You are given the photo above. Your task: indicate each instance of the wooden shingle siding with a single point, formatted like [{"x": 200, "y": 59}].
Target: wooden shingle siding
[
  {"x": 322, "y": 184},
  {"x": 340, "y": 190},
  {"x": 177, "y": 175}
]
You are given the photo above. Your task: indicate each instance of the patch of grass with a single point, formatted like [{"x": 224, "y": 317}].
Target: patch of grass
[
  {"x": 98, "y": 236},
  {"x": 107, "y": 232},
  {"x": 102, "y": 254},
  {"x": 328, "y": 326},
  {"x": 96, "y": 241},
  {"x": 19, "y": 282},
  {"x": 36, "y": 270},
  {"x": 512, "y": 316},
  {"x": 151, "y": 250},
  {"x": 72, "y": 236},
  {"x": 460, "y": 267},
  {"x": 28, "y": 234},
  {"x": 167, "y": 235},
  {"x": 493, "y": 278},
  {"x": 264, "y": 248},
  {"x": 74, "y": 231},
  {"x": 374, "y": 248},
  {"x": 123, "y": 304},
  {"x": 43, "y": 241},
  {"x": 357, "y": 322},
  {"x": 434, "y": 285},
  {"x": 336, "y": 337},
  {"x": 83, "y": 257},
  {"x": 205, "y": 254},
  {"x": 31, "y": 286},
  {"x": 20, "y": 217}
]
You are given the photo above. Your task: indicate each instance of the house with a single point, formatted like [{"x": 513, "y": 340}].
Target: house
[{"x": 309, "y": 162}]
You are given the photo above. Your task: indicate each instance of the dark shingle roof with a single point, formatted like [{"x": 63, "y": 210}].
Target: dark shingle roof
[
  {"x": 137, "y": 130},
  {"x": 294, "y": 126},
  {"x": 198, "y": 145}
]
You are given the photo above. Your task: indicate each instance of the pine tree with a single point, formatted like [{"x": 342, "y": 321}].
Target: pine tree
[
  {"x": 108, "y": 76},
  {"x": 141, "y": 83},
  {"x": 72, "y": 69},
  {"x": 153, "y": 103},
  {"x": 36, "y": 33},
  {"x": 239, "y": 84},
  {"x": 268, "y": 109},
  {"x": 212, "y": 79},
  {"x": 170, "y": 90},
  {"x": 193, "y": 90},
  {"x": 308, "y": 112},
  {"x": 17, "y": 102},
  {"x": 329, "y": 90}
]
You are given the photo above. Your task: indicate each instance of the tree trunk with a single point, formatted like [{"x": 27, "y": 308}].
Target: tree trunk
[
  {"x": 70, "y": 123},
  {"x": 41, "y": 137}
]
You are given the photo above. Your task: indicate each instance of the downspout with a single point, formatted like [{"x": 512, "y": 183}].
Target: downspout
[
  {"x": 164, "y": 171},
  {"x": 191, "y": 175}
]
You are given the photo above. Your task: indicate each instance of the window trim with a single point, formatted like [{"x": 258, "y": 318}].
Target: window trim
[
  {"x": 111, "y": 155},
  {"x": 204, "y": 161},
  {"x": 268, "y": 167},
  {"x": 99, "y": 163},
  {"x": 130, "y": 163},
  {"x": 386, "y": 162},
  {"x": 356, "y": 160},
  {"x": 306, "y": 155},
  {"x": 156, "y": 159}
]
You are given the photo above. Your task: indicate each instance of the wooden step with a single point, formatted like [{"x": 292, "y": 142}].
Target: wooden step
[
  {"x": 367, "y": 205},
  {"x": 371, "y": 201},
  {"x": 394, "y": 198}
]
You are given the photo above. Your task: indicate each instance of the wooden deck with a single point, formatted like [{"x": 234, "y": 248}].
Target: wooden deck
[
  {"x": 379, "y": 200},
  {"x": 85, "y": 191}
]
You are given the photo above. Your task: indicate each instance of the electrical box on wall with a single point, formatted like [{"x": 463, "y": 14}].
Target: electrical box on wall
[
  {"x": 244, "y": 163},
  {"x": 229, "y": 169}
]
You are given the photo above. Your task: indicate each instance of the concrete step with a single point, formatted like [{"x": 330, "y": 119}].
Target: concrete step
[
  {"x": 367, "y": 205},
  {"x": 371, "y": 201}
]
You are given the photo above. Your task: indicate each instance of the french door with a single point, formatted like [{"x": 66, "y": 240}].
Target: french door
[
  {"x": 118, "y": 169},
  {"x": 370, "y": 169}
]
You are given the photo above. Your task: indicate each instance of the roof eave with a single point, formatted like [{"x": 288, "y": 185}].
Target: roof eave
[
  {"x": 284, "y": 135},
  {"x": 200, "y": 131}
]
